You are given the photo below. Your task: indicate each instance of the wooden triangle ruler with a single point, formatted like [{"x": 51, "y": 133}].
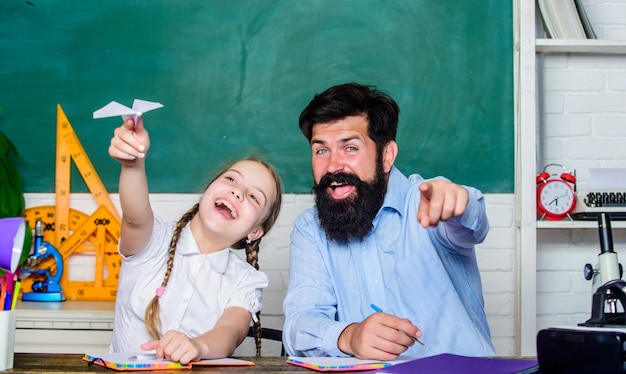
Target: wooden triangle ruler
[{"x": 70, "y": 149}]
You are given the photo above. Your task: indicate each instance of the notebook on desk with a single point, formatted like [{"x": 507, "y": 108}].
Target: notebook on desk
[
  {"x": 148, "y": 361},
  {"x": 336, "y": 364}
]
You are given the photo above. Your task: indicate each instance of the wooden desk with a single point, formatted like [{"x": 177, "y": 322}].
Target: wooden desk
[{"x": 38, "y": 363}]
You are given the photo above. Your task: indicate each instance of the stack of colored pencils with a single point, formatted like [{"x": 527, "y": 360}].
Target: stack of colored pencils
[{"x": 9, "y": 289}]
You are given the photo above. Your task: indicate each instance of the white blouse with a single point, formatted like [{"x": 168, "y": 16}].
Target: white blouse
[{"x": 200, "y": 288}]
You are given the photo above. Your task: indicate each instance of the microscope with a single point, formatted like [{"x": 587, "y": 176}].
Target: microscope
[
  {"x": 48, "y": 289},
  {"x": 610, "y": 288},
  {"x": 598, "y": 344}
]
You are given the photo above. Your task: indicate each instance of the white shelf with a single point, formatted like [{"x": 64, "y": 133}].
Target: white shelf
[
  {"x": 65, "y": 315},
  {"x": 530, "y": 46},
  {"x": 577, "y": 224},
  {"x": 580, "y": 46},
  {"x": 63, "y": 327}
]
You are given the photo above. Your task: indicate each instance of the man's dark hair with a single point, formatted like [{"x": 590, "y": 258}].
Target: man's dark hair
[{"x": 353, "y": 99}]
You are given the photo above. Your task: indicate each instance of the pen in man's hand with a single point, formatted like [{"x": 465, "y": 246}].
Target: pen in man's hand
[{"x": 377, "y": 309}]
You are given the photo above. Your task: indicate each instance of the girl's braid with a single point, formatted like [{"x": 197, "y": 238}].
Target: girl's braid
[
  {"x": 252, "y": 256},
  {"x": 153, "y": 321}
]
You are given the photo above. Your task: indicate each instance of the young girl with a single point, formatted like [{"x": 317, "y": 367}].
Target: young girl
[{"x": 182, "y": 292}]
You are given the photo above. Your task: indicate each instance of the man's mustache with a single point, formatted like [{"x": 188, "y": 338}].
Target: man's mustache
[{"x": 342, "y": 178}]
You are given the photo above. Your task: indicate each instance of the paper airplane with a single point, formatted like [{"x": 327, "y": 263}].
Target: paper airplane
[{"x": 116, "y": 109}]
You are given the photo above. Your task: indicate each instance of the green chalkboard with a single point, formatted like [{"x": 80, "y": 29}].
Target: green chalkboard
[{"x": 234, "y": 75}]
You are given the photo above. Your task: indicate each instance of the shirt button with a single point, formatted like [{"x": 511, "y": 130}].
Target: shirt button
[
  {"x": 185, "y": 300},
  {"x": 375, "y": 281}
]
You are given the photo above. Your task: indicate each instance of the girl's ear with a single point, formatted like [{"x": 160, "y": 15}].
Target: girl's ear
[{"x": 256, "y": 234}]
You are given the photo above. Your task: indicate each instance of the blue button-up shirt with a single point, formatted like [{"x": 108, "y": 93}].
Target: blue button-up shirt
[{"x": 429, "y": 276}]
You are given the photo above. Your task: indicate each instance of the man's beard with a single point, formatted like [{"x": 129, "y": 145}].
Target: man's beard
[{"x": 350, "y": 219}]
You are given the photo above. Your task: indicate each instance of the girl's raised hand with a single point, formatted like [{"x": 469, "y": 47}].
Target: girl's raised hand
[{"x": 130, "y": 142}]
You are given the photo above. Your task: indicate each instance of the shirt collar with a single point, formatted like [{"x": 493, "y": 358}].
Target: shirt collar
[
  {"x": 396, "y": 191},
  {"x": 187, "y": 247}
]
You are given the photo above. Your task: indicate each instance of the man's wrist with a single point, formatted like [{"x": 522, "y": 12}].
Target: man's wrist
[{"x": 343, "y": 342}]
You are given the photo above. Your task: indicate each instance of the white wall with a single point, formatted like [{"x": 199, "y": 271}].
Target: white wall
[{"x": 584, "y": 127}]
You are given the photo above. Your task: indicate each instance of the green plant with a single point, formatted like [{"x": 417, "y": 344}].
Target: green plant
[{"x": 11, "y": 193}]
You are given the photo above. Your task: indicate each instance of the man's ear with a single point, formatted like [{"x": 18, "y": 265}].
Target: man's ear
[
  {"x": 389, "y": 155},
  {"x": 256, "y": 234}
]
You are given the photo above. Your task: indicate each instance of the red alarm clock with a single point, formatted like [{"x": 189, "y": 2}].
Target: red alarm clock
[{"x": 556, "y": 194}]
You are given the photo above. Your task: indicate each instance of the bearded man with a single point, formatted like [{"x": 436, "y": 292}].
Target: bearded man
[{"x": 377, "y": 240}]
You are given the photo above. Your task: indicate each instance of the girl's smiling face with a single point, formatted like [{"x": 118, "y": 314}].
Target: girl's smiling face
[{"x": 234, "y": 206}]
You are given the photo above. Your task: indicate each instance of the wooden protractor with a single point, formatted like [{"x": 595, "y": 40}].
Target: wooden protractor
[
  {"x": 47, "y": 215},
  {"x": 102, "y": 231}
]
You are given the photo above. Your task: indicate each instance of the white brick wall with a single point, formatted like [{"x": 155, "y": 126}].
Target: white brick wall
[
  {"x": 584, "y": 127},
  {"x": 607, "y": 18},
  {"x": 496, "y": 260},
  {"x": 585, "y": 112}
]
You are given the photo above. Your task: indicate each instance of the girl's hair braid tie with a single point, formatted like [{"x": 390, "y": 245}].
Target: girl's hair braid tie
[{"x": 160, "y": 291}]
